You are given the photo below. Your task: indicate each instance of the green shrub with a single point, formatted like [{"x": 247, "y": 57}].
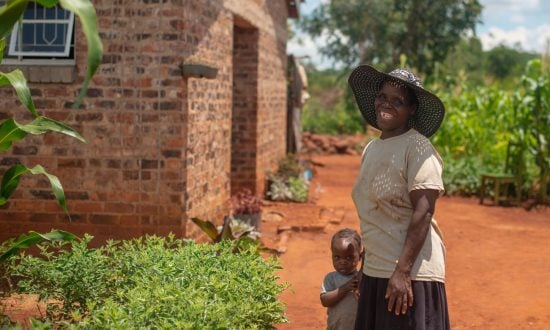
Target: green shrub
[
  {"x": 299, "y": 189},
  {"x": 155, "y": 282},
  {"x": 288, "y": 183}
]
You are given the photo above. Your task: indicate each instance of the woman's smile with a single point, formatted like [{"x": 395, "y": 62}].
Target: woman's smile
[{"x": 385, "y": 115}]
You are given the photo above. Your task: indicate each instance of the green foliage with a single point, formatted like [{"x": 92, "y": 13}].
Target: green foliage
[
  {"x": 209, "y": 228},
  {"x": 288, "y": 183},
  {"x": 535, "y": 112},
  {"x": 11, "y": 178},
  {"x": 469, "y": 64},
  {"x": 299, "y": 189},
  {"x": 73, "y": 276},
  {"x": 503, "y": 62},
  {"x": 481, "y": 121},
  {"x": 381, "y": 31},
  {"x": 331, "y": 109},
  {"x": 243, "y": 239},
  {"x": 85, "y": 11},
  {"x": 154, "y": 282},
  {"x": 32, "y": 238},
  {"x": 10, "y": 130},
  {"x": 9, "y": 15}
]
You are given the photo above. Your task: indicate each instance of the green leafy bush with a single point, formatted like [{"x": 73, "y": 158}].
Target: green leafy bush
[
  {"x": 299, "y": 189},
  {"x": 288, "y": 183},
  {"x": 154, "y": 282}
]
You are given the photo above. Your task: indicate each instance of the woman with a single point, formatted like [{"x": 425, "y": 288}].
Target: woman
[{"x": 402, "y": 286}]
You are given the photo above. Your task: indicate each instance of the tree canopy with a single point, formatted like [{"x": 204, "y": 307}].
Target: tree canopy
[{"x": 381, "y": 31}]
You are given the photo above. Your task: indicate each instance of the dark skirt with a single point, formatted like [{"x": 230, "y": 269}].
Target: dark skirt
[{"x": 429, "y": 310}]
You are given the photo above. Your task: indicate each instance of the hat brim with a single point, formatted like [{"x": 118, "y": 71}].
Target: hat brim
[{"x": 365, "y": 82}]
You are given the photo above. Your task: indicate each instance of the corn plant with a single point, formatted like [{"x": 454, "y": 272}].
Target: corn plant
[
  {"x": 32, "y": 238},
  {"x": 481, "y": 121},
  {"x": 536, "y": 107},
  {"x": 10, "y": 130}
]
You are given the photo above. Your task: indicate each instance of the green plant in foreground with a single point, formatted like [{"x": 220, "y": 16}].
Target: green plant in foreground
[{"x": 155, "y": 282}]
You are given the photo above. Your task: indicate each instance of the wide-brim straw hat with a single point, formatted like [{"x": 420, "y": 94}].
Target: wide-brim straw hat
[{"x": 365, "y": 82}]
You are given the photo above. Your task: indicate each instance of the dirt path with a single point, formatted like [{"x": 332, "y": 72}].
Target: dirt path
[{"x": 498, "y": 259}]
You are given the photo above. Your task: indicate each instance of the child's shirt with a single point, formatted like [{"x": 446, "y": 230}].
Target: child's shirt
[{"x": 342, "y": 315}]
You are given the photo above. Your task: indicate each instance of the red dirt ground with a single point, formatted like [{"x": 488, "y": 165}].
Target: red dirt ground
[{"x": 498, "y": 258}]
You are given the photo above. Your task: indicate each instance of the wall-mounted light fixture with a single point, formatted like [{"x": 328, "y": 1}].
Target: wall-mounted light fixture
[{"x": 199, "y": 71}]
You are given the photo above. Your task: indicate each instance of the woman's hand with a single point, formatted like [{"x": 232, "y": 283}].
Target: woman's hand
[{"x": 399, "y": 292}]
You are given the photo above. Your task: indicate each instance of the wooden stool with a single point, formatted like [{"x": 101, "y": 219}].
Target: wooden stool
[
  {"x": 501, "y": 187},
  {"x": 513, "y": 168}
]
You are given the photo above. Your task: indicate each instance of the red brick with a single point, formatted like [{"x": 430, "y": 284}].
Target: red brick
[
  {"x": 129, "y": 220},
  {"x": 44, "y": 217},
  {"x": 121, "y": 208},
  {"x": 88, "y": 207},
  {"x": 104, "y": 219}
]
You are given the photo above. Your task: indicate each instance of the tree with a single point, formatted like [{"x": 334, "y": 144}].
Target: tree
[
  {"x": 381, "y": 31},
  {"x": 467, "y": 59},
  {"x": 503, "y": 61}
]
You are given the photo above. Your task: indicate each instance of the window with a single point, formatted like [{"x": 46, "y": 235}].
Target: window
[
  {"x": 42, "y": 45},
  {"x": 44, "y": 33}
]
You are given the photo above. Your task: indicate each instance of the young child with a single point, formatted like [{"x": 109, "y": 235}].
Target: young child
[{"x": 339, "y": 289}]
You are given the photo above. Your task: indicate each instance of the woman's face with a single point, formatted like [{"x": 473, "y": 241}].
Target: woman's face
[{"x": 393, "y": 108}]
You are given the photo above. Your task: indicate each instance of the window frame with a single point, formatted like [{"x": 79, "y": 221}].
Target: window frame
[
  {"x": 16, "y": 38},
  {"x": 33, "y": 58}
]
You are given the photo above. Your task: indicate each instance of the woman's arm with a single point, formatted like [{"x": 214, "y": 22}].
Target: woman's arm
[{"x": 399, "y": 292}]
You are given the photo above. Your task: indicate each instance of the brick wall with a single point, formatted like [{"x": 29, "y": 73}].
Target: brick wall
[{"x": 159, "y": 145}]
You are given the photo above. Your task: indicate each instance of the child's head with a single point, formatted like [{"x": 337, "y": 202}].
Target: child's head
[{"x": 346, "y": 250}]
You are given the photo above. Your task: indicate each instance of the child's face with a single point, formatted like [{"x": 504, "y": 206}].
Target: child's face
[{"x": 345, "y": 256}]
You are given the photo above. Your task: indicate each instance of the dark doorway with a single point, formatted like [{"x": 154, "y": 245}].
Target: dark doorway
[{"x": 244, "y": 130}]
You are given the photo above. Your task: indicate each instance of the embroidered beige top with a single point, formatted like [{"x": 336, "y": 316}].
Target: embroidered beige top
[{"x": 390, "y": 169}]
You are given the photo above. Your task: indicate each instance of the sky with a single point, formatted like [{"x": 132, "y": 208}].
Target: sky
[{"x": 511, "y": 22}]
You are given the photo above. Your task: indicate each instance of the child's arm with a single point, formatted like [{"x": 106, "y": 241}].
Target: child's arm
[{"x": 331, "y": 298}]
